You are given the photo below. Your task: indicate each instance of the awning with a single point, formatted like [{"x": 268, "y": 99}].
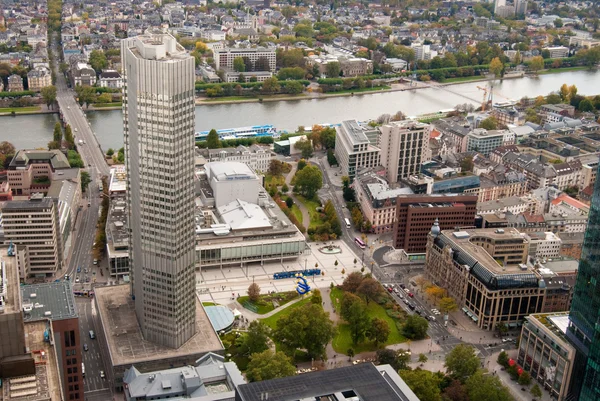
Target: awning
[
  {"x": 465, "y": 310},
  {"x": 475, "y": 318},
  {"x": 469, "y": 314}
]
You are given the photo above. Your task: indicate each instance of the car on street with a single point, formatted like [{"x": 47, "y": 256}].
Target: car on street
[
  {"x": 78, "y": 269},
  {"x": 400, "y": 295},
  {"x": 67, "y": 277},
  {"x": 92, "y": 334},
  {"x": 86, "y": 270},
  {"x": 411, "y": 306},
  {"x": 410, "y": 294},
  {"x": 87, "y": 279},
  {"x": 402, "y": 286},
  {"x": 431, "y": 318},
  {"x": 77, "y": 279},
  {"x": 95, "y": 261},
  {"x": 102, "y": 375},
  {"x": 85, "y": 347}
]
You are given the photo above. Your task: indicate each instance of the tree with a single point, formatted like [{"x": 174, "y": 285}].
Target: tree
[
  {"x": 496, "y": 67},
  {"x": 98, "y": 60},
  {"x": 369, "y": 288},
  {"x": 262, "y": 64},
  {"x": 104, "y": 98},
  {"x": 49, "y": 95},
  {"x": 333, "y": 69},
  {"x": 503, "y": 359},
  {"x": 58, "y": 134},
  {"x": 294, "y": 87},
  {"x": 586, "y": 105},
  {"x": 238, "y": 64},
  {"x": 328, "y": 138},
  {"x": 486, "y": 387},
  {"x": 69, "y": 138},
  {"x": 489, "y": 123},
  {"x": 397, "y": 359},
  {"x": 461, "y": 362},
  {"x": 350, "y": 353},
  {"x": 423, "y": 358},
  {"x": 435, "y": 291},
  {"x": 267, "y": 365},
  {"x": 308, "y": 181},
  {"x": 110, "y": 152},
  {"x": 291, "y": 73},
  {"x": 565, "y": 95},
  {"x": 306, "y": 147},
  {"x": 456, "y": 391},
  {"x": 425, "y": 384},
  {"x": 85, "y": 180},
  {"x": 301, "y": 164},
  {"x": 257, "y": 337},
  {"x": 352, "y": 281},
  {"x": 270, "y": 86},
  {"x": 379, "y": 331},
  {"x": 212, "y": 140},
  {"x": 536, "y": 64},
  {"x": 357, "y": 217},
  {"x": 536, "y": 391},
  {"x": 289, "y": 202},
  {"x": 354, "y": 311},
  {"x": 447, "y": 304},
  {"x": 415, "y": 327},
  {"x": 524, "y": 379},
  {"x": 316, "y": 298},
  {"x": 276, "y": 167},
  {"x": 553, "y": 98},
  {"x": 307, "y": 327},
  {"x": 253, "y": 292}
]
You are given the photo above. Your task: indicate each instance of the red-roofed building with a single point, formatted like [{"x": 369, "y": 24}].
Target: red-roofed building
[{"x": 565, "y": 205}]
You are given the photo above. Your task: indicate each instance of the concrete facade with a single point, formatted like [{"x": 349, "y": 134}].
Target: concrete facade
[
  {"x": 353, "y": 149},
  {"x": 159, "y": 123}
]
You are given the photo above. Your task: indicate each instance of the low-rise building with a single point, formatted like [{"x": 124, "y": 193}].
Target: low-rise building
[
  {"x": 545, "y": 352},
  {"x": 15, "y": 83},
  {"x": 258, "y": 158},
  {"x": 565, "y": 206},
  {"x": 484, "y": 141},
  {"x": 543, "y": 245},
  {"x": 39, "y": 78},
  {"x": 557, "y": 51},
  {"x": 110, "y": 79},
  {"x": 513, "y": 204},
  {"x": 83, "y": 74}
]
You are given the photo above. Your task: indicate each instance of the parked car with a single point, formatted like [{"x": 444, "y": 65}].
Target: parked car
[
  {"x": 410, "y": 294},
  {"x": 78, "y": 269},
  {"x": 402, "y": 286},
  {"x": 85, "y": 347}
]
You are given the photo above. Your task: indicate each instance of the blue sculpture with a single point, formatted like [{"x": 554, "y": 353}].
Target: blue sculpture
[{"x": 302, "y": 286}]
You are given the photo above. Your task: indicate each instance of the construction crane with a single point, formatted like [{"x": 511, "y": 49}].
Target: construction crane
[{"x": 485, "y": 98}]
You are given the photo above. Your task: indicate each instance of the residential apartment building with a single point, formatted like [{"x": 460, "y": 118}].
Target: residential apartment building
[
  {"x": 566, "y": 206},
  {"x": 34, "y": 226},
  {"x": 485, "y": 270},
  {"x": 39, "y": 78},
  {"x": 258, "y": 158},
  {"x": 32, "y": 171},
  {"x": 224, "y": 57},
  {"x": 513, "y": 204},
  {"x": 15, "y": 83},
  {"x": 403, "y": 147},
  {"x": 546, "y": 353},
  {"x": 353, "y": 150},
  {"x": 415, "y": 214},
  {"x": 159, "y": 125},
  {"x": 508, "y": 115},
  {"x": 543, "y": 245},
  {"x": 54, "y": 304},
  {"x": 377, "y": 200},
  {"x": 557, "y": 51},
  {"x": 492, "y": 186}
]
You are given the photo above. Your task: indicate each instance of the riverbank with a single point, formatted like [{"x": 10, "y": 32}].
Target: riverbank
[{"x": 23, "y": 111}]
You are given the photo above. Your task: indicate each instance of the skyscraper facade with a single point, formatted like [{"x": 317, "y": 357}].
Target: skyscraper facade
[
  {"x": 158, "y": 119},
  {"x": 584, "y": 327}
]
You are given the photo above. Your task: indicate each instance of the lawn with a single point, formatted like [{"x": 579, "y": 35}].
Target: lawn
[
  {"x": 311, "y": 206},
  {"x": 343, "y": 341},
  {"x": 209, "y": 304},
  {"x": 356, "y": 90},
  {"x": 297, "y": 212},
  {"x": 102, "y": 105},
  {"x": 463, "y": 79},
  {"x": 559, "y": 70},
  {"x": 265, "y": 302},
  {"x": 271, "y": 321},
  {"x": 18, "y": 110}
]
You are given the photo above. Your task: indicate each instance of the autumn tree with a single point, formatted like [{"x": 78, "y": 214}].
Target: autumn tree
[
  {"x": 564, "y": 93},
  {"x": 435, "y": 291},
  {"x": 369, "y": 288},
  {"x": 305, "y": 147},
  {"x": 379, "y": 331},
  {"x": 253, "y": 292},
  {"x": 447, "y": 304},
  {"x": 536, "y": 64},
  {"x": 352, "y": 282},
  {"x": 496, "y": 67},
  {"x": 270, "y": 86}
]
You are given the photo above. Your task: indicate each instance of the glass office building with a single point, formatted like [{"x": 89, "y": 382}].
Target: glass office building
[{"x": 584, "y": 328}]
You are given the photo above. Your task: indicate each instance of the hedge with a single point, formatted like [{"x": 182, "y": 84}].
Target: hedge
[{"x": 16, "y": 94}]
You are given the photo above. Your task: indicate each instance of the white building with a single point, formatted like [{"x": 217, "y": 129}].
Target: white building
[
  {"x": 403, "y": 147},
  {"x": 224, "y": 57},
  {"x": 258, "y": 158},
  {"x": 557, "y": 51},
  {"x": 513, "y": 204},
  {"x": 484, "y": 141},
  {"x": 353, "y": 150},
  {"x": 110, "y": 79},
  {"x": 232, "y": 180},
  {"x": 544, "y": 245},
  {"x": 159, "y": 124}
]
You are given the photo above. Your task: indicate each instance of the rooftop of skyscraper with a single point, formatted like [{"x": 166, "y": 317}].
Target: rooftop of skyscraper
[
  {"x": 9, "y": 283},
  {"x": 53, "y": 301},
  {"x": 124, "y": 336}
]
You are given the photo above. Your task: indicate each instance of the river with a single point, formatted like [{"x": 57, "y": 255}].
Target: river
[{"x": 36, "y": 131}]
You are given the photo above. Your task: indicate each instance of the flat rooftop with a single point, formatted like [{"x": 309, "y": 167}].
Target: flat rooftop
[
  {"x": 355, "y": 132},
  {"x": 43, "y": 203},
  {"x": 124, "y": 336},
  {"x": 48, "y": 301},
  {"x": 463, "y": 238},
  {"x": 364, "y": 381},
  {"x": 117, "y": 238},
  {"x": 224, "y": 171},
  {"x": 45, "y": 384},
  {"x": 9, "y": 283},
  {"x": 118, "y": 179},
  {"x": 557, "y": 322}
]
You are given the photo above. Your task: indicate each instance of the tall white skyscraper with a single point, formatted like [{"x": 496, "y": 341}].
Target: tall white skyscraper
[{"x": 158, "y": 119}]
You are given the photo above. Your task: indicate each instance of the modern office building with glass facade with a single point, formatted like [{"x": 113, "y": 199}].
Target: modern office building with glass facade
[{"x": 584, "y": 328}]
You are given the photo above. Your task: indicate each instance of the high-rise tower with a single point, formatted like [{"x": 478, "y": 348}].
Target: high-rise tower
[
  {"x": 584, "y": 328},
  {"x": 158, "y": 120}
]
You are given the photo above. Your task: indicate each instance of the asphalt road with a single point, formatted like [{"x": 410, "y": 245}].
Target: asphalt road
[{"x": 92, "y": 359}]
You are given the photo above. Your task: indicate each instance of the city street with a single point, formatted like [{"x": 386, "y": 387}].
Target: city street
[{"x": 92, "y": 359}]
